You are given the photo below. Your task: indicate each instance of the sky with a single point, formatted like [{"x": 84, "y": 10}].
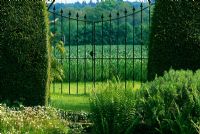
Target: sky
[{"x": 72, "y": 1}]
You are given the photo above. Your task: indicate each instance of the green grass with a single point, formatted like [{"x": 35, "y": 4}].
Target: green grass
[
  {"x": 81, "y": 87},
  {"x": 70, "y": 102},
  {"x": 78, "y": 102}
]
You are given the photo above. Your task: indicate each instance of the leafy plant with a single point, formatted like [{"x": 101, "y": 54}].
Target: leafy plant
[
  {"x": 169, "y": 104},
  {"x": 113, "y": 109},
  {"x": 57, "y": 70}
]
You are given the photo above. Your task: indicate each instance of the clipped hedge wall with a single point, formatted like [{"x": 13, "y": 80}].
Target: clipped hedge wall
[
  {"x": 24, "y": 68},
  {"x": 175, "y": 36}
]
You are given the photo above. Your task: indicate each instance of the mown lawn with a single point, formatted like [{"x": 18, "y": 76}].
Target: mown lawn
[
  {"x": 70, "y": 102},
  {"x": 80, "y": 101}
]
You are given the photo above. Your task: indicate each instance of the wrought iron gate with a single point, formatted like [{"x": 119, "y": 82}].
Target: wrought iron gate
[{"x": 101, "y": 50}]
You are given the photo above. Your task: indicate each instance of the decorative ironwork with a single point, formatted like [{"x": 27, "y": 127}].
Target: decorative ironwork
[
  {"x": 96, "y": 31},
  {"x": 49, "y": 3}
]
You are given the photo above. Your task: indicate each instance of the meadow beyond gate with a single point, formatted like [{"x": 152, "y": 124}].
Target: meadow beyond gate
[{"x": 113, "y": 47}]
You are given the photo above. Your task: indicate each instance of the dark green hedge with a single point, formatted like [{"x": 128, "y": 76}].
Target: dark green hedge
[
  {"x": 175, "y": 37},
  {"x": 24, "y": 57}
]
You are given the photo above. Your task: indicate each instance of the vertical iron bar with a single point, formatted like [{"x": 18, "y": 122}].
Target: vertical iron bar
[
  {"x": 61, "y": 12},
  {"x": 54, "y": 33},
  {"x": 133, "y": 47},
  {"x": 125, "y": 47},
  {"x": 118, "y": 43},
  {"x": 141, "y": 28},
  {"x": 77, "y": 55},
  {"x": 149, "y": 14},
  {"x": 102, "y": 36},
  {"x": 69, "y": 38},
  {"x": 94, "y": 55},
  {"x": 85, "y": 26},
  {"x": 110, "y": 43},
  {"x": 149, "y": 28}
]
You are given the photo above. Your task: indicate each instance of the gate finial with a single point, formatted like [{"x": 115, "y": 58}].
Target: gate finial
[{"x": 51, "y": 4}]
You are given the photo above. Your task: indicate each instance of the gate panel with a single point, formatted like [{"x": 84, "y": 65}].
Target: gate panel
[{"x": 100, "y": 51}]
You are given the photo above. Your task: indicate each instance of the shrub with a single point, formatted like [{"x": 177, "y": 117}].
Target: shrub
[
  {"x": 113, "y": 110},
  {"x": 57, "y": 71},
  {"x": 170, "y": 104},
  {"x": 32, "y": 120},
  {"x": 24, "y": 56},
  {"x": 174, "y": 39}
]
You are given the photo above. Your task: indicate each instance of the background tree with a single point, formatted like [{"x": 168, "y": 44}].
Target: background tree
[{"x": 95, "y": 13}]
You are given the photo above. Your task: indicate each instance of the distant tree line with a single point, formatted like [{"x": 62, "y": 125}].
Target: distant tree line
[{"x": 95, "y": 13}]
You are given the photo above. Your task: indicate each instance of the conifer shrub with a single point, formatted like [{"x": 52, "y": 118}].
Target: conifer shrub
[
  {"x": 24, "y": 52},
  {"x": 175, "y": 37}
]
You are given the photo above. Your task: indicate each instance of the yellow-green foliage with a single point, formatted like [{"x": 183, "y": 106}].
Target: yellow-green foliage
[
  {"x": 24, "y": 53},
  {"x": 31, "y": 120}
]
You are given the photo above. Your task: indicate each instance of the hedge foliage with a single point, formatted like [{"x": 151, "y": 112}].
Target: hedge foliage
[
  {"x": 175, "y": 36},
  {"x": 24, "y": 68}
]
